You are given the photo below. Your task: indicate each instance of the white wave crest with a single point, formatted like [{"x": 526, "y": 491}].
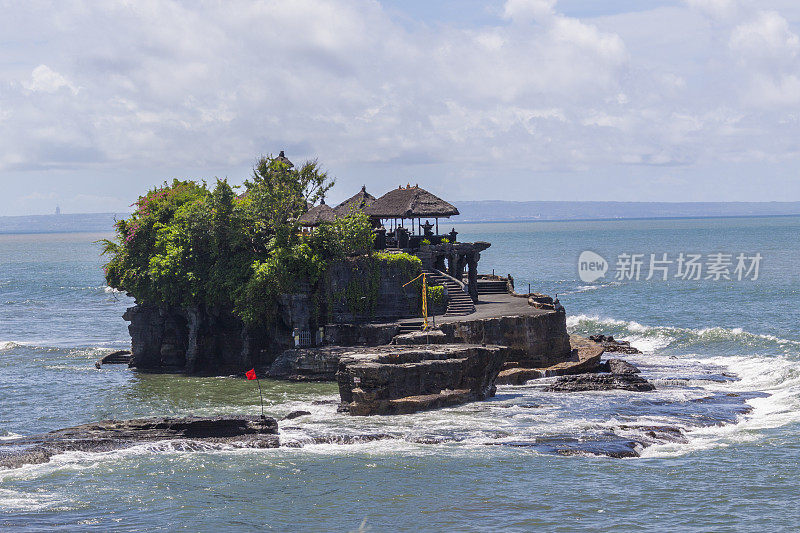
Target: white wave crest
[
  {"x": 8, "y": 345},
  {"x": 651, "y": 338}
]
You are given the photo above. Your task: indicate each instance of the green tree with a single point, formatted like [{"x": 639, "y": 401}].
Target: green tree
[
  {"x": 278, "y": 195},
  {"x": 186, "y": 245}
]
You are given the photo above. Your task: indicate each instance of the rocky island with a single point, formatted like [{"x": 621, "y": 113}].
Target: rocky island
[{"x": 276, "y": 280}]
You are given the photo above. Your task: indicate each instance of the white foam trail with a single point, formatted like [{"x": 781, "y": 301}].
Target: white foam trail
[
  {"x": 586, "y": 288},
  {"x": 12, "y": 500},
  {"x": 8, "y": 345}
]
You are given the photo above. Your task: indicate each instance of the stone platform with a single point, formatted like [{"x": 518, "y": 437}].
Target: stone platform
[{"x": 388, "y": 380}]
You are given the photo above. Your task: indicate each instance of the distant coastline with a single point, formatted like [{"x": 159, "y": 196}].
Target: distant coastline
[
  {"x": 483, "y": 211},
  {"x": 457, "y": 220},
  {"x": 507, "y": 211}
]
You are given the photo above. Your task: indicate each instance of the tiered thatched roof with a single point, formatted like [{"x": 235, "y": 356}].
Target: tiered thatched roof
[
  {"x": 361, "y": 200},
  {"x": 317, "y": 215},
  {"x": 285, "y": 160},
  {"x": 410, "y": 202}
]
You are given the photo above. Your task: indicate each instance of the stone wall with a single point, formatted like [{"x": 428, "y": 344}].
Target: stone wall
[
  {"x": 360, "y": 334},
  {"x": 363, "y": 290}
]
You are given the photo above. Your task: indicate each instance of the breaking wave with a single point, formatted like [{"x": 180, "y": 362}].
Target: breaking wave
[
  {"x": 652, "y": 338},
  {"x": 762, "y": 363},
  {"x": 8, "y": 345}
]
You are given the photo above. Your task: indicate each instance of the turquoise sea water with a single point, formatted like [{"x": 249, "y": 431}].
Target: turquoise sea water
[{"x": 738, "y": 471}]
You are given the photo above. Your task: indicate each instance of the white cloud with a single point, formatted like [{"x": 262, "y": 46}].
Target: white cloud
[
  {"x": 44, "y": 79},
  {"x": 715, "y": 8},
  {"x": 766, "y": 36},
  {"x": 526, "y": 10},
  {"x": 767, "y": 51},
  {"x": 171, "y": 88}
]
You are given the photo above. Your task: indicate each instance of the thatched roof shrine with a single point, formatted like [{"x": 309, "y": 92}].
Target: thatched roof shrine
[
  {"x": 410, "y": 202},
  {"x": 317, "y": 215},
  {"x": 361, "y": 200}
]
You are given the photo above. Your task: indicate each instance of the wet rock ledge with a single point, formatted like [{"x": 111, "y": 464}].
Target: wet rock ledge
[{"x": 108, "y": 435}]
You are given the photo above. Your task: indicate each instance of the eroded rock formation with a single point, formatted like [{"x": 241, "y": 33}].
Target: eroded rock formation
[
  {"x": 405, "y": 379},
  {"x": 107, "y": 435},
  {"x": 534, "y": 341},
  {"x": 612, "y": 345}
]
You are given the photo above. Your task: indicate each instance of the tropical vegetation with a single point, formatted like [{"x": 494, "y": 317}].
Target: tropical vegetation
[{"x": 189, "y": 244}]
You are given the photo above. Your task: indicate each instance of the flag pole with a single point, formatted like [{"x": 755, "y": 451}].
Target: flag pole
[
  {"x": 261, "y": 397},
  {"x": 251, "y": 375}
]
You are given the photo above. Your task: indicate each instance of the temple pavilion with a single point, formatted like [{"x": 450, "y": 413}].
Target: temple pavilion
[{"x": 397, "y": 220}]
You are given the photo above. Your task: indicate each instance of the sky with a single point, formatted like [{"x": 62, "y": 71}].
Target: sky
[{"x": 634, "y": 100}]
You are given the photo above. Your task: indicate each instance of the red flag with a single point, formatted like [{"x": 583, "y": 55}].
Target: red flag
[{"x": 251, "y": 374}]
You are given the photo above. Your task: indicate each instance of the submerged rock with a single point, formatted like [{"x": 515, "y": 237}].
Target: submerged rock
[
  {"x": 611, "y": 445},
  {"x": 610, "y": 344},
  {"x": 601, "y": 382},
  {"x": 296, "y": 414},
  {"x": 107, "y": 435}
]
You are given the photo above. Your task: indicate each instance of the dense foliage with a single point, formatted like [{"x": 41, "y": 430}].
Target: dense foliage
[{"x": 187, "y": 244}]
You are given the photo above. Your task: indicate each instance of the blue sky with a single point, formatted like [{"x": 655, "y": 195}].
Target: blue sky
[{"x": 509, "y": 99}]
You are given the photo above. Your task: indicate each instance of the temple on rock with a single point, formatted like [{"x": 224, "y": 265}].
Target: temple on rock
[
  {"x": 359, "y": 322},
  {"x": 397, "y": 221}
]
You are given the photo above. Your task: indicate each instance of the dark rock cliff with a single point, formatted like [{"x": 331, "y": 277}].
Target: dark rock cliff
[{"x": 198, "y": 340}]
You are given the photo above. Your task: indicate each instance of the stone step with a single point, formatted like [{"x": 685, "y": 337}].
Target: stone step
[
  {"x": 492, "y": 287},
  {"x": 459, "y": 303},
  {"x": 409, "y": 327}
]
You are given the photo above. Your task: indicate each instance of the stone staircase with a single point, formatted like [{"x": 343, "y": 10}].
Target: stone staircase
[
  {"x": 409, "y": 327},
  {"x": 459, "y": 303},
  {"x": 492, "y": 287}
]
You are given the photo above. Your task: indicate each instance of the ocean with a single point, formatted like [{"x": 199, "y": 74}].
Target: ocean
[{"x": 724, "y": 355}]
